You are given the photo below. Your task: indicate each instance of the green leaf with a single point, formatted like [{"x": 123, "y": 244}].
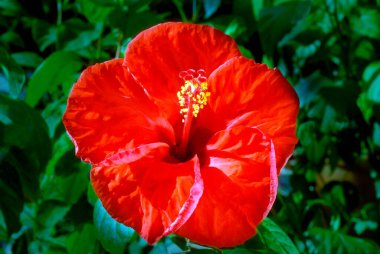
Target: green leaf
[
  {"x": 3, "y": 227},
  {"x": 93, "y": 11},
  {"x": 91, "y": 195},
  {"x": 10, "y": 7},
  {"x": 66, "y": 177},
  {"x": 10, "y": 205},
  {"x": 84, "y": 38},
  {"x": 327, "y": 241},
  {"x": 245, "y": 52},
  {"x": 277, "y": 21},
  {"x": 132, "y": 23},
  {"x": 51, "y": 72},
  {"x": 42, "y": 218},
  {"x": 24, "y": 128},
  {"x": 82, "y": 241},
  {"x": 113, "y": 235},
  {"x": 12, "y": 38},
  {"x": 51, "y": 212},
  {"x": 275, "y": 239},
  {"x": 24, "y": 133},
  {"x": 210, "y": 7},
  {"x": 44, "y": 33},
  {"x": 376, "y": 134},
  {"x": 371, "y": 77},
  {"x": 362, "y": 225},
  {"x": 314, "y": 145},
  {"x": 245, "y": 9},
  {"x": 366, "y": 23},
  {"x": 27, "y": 59},
  {"x": 14, "y": 74},
  {"x": 53, "y": 115},
  {"x": 66, "y": 188},
  {"x": 257, "y": 6}
]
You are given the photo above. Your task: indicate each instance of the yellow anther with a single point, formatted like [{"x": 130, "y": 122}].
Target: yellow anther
[{"x": 193, "y": 94}]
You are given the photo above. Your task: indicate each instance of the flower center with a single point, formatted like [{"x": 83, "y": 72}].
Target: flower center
[{"x": 192, "y": 97}]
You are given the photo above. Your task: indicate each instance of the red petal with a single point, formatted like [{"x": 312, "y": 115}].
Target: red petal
[
  {"x": 108, "y": 111},
  {"x": 157, "y": 56},
  {"x": 240, "y": 185},
  {"x": 138, "y": 188},
  {"x": 250, "y": 94}
]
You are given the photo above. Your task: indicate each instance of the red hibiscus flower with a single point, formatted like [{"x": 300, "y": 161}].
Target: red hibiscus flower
[{"x": 185, "y": 135}]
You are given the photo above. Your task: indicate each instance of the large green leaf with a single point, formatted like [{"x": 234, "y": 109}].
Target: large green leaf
[
  {"x": 24, "y": 128},
  {"x": 53, "y": 71},
  {"x": 113, "y": 235},
  {"x": 275, "y": 239},
  {"x": 277, "y": 21},
  {"x": 82, "y": 241},
  {"x": 24, "y": 133}
]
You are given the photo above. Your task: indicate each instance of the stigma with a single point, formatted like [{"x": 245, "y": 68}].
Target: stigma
[{"x": 193, "y": 94}]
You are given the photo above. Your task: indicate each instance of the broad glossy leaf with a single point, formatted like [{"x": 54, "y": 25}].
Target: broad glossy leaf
[
  {"x": 113, "y": 235},
  {"x": 14, "y": 74},
  {"x": 275, "y": 238},
  {"x": 82, "y": 241},
  {"x": 66, "y": 177},
  {"x": 25, "y": 136},
  {"x": 277, "y": 21},
  {"x": 53, "y": 71},
  {"x": 66, "y": 188},
  {"x": 24, "y": 128}
]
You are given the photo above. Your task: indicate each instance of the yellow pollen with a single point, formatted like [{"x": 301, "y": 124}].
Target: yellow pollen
[{"x": 193, "y": 94}]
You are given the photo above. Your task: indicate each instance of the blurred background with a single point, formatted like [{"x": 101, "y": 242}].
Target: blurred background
[{"x": 329, "y": 50}]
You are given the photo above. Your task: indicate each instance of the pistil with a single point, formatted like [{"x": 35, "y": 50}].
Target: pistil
[{"x": 192, "y": 98}]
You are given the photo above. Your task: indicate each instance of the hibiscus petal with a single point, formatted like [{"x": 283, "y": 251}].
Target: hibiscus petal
[
  {"x": 157, "y": 55},
  {"x": 240, "y": 185},
  {"x": 140, "y": 189},
  {"x": 108, "y": 111},
  {"x": 250, "y": 94}
]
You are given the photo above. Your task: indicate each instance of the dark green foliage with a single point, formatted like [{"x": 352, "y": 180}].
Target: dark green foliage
[{"x": 329, "y": 195}]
